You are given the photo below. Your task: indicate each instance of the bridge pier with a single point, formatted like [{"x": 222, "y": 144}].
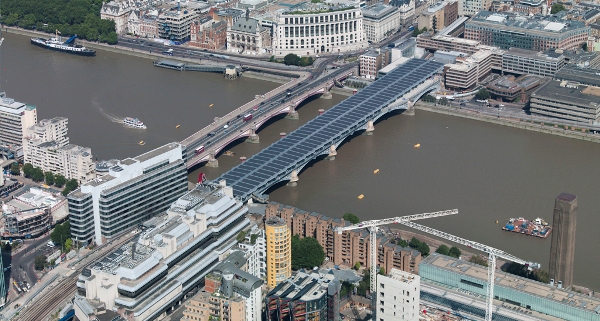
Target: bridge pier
[
  {"x": 292, "y": 114},
  {"x": 326, "y": 94},
  {"x": 212, "y": 161},
  {"x": 332, "y": 153},
  {"x": 410, "y": 111},
  {"x": 370, "y": 128},
  {"x": 293, "y": 178},
  {"x": 253, "y": 138}
]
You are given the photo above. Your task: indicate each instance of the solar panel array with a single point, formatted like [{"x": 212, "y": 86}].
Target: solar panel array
[{"x": 264, "y": 169}]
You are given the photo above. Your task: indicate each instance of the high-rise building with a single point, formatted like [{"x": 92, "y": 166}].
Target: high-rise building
[
  {"x": 398, "y": 296},
  {"x": 254, "y": 248},
  {"x": 15, "y": 117},
  {"x": 562, "y": 250},
  {"x": 133, "y": 191},
  {"x": 279, "y": 251}
]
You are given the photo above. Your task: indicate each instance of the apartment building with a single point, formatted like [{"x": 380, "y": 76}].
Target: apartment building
[
  {"x": 133, "y": 191},
  {"x": 522, "y": 61},
  {"x": 398, "y": 294},
  {"x": 568, "y": 101},
  {"x": 15, "y": 118},
  {"x": 369, "y": 64},
  {"x": 46, "y": 145},
  {"x": 512, "y": 30},
  {"x": 348, "y": 247},
  {"x": 210, "y": 306},
  {"x": 380, "y": 21},
  {"x": 254, "y": 248},
  {"x": 175, "y": 24},
  {"x": 171, "y": 257},
  {"x": 248, "y": 36},
  {"x": 439, "y": 15},
  {"x": 314, "y": 28},
  {"x": 305, "y": 296},
  {"x": 279, "y": 251}
]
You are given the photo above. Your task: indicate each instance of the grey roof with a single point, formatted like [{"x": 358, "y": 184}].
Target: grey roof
[
  {"x": 587, "y": 76},
  {"x": 554, "y": 91},
  {"x": 399, "y": 3},
  {"x": 514, "y": 21},
  {"x": 378, "y": 11},
  {"x": 244, "y": 282},
  {"x": 250, "y": 25}
]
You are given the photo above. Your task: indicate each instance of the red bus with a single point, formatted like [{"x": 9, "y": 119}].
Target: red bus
[
  {"x": 248, "y": 117},
  {"x": 199, "y": 150}
]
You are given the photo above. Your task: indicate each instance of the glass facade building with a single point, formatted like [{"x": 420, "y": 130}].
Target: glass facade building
[{"x": 526, "y": 293}]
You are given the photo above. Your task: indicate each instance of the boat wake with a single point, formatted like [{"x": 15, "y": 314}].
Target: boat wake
[{"x": 111, "y": 117}]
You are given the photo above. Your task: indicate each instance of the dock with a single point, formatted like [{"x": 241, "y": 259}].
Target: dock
[
  {"x": 229, "y": 71},
  {"x": 537, "y": 227}
]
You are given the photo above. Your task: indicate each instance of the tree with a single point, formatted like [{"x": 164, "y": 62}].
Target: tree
[
  {"x": 482, "y": 94},
  {"x": 584, "y": 46},
  {"x": 70, "y": 186},
  {"x": 403, "y": 243},
  {"x": 49, "y": 177},
  {"x": 27, "y": 170},
  {"x": 37, "y": 175},
  {"x": 351, "y": 218},
  {"x": 40, "y": 262},
  {"x": 68, "y": 245},
  {"x": 557, "y": 7},
  {"x": 59, "y": 181},
  {"x": 253, "y": 238},
  {"x": 478, "y": 260},
  {"x": 357, "y": 266},
  {"x": 291, "y": 59},
  {"x": 61, "y": 233},
  {"x": 443, "y": 101},
  {"x": 14, "y": 169},
  {"x": 382, "y": 270},
  {"x": 346, "y": 289},
  {"x": 443, "y": 249},
  {"x": 423, "y": 248},
  {"x": 428, "y": 99},
  {"x": 454, "y": 252},
  {"x": 306, "y": 252},
  {"x": 241, "y": 236},
  {"x": 414, "y": 243}
]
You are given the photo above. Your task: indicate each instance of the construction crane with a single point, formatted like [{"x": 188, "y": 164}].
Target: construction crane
[
  {"x": 492, "y": 255},
  {"x": 373, "y": 227}
]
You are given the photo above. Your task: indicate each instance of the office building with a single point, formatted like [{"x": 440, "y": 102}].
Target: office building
[
  {"x": 369, "y": 64},
  {"x": 305, "y": 296},
  {"x": 568, "y": 101},
  {"x": 511, "y": 290},
  {"x": 310, "y": 29},
  {"x": 471, "y": 7},
  {"x": 510, "y": 88},
  {"x": 380, "y": 21},
  {"x": 208, "y": 34},
  {"x": 585, "y": 76},
  {"x": 133, "y": 191},
  {"x": 562, "y": 250},
  {"x": 46, "y": 145},
  {"x": 279, "y": 251},
  {"x": 522, "y": 61},
  {"x": 468, "y": 71},
  {"x": 248, "y": 36},
  {"x": 406, "y": 8},
  {"x": 405, "y": 48},
  {"x": 15, "y": 118},
  {"x": 117, "y": 12},
  {"x": 439, "y": 15},
  {"x": 346, "y": 248},
  {"x": 510, "y": 30},
  {"x": 175, "y": 23},
  {"x": 171, "y": 256},
  {"x": 21, "y": 220},
  {"x": 440, "y": 42},
  {"x": 398, "y": 296}
]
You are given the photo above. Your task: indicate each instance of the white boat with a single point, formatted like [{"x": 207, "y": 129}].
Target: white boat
[{"x": 133, "y": 123}]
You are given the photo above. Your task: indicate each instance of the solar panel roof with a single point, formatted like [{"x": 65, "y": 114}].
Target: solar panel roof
[{"x": 263, "y": 168}]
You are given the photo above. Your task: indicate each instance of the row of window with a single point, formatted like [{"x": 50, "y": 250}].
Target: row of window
[
  {"x": 320, "y": 19},
  {"x": 311, "y": 31}
]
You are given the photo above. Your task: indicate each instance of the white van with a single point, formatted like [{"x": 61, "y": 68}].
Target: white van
[{"x": 50, "y": 244}]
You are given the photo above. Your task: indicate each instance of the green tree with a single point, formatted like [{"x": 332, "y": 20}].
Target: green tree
[
  {"x": 403, "y": 243},
  {"x": 428, "y": 99},
  {"x": 68, "y": 245},
  {"x": 49, "y": 178},
  {"x": 482, "y": 94},
  {"x": 291, "y": 59},
  {"x": 11, "y": 19},
  {"x": 306, "y": 252},
  {"x": 382, "y": 270},
  {"x": 423, "y": 248},
  {"x": 272, "y": 59},
  {"x": 59, "y": 181},
  {"x": 357, "y": 266},
  {"x": 414, "y": 243},
  {"x": 454, "y": 252},
  {"x": 443, "y": 101},
  {"x": 27, "y": 170},
  {"x": 40, "y": 262},
  {"x": 253, "y": 238},
  {"x": 61, "y": 233},
  {"x": 70, "y": 186},
  {"x": 557, "y": 7},
  {"x": 443, "y": 249},
  {"x": 37, "y": 175},
  {"x": 351, "y": 218},
  {"x": 346, "y": 289},
  {"x": 241, "y": 236},
  {"x": 478, "y": 260},
  {"x": 14, "y": 169}
]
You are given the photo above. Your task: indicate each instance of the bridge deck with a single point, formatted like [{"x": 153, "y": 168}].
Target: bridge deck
[{"x": 267, "y": 165}]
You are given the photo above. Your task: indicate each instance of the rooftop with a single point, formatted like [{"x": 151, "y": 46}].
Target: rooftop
[
  {"x": 378, "y": 11},
  {"x": 569, "y": 92},
  {"x": 588, "y": 76},
  {"x": 156, "y": 152},
  {"x": 549, "y": 55},
  {"x": 534, "y": 23}
]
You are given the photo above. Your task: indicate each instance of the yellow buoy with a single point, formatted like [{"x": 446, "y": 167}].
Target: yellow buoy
[
  {"x": 376, "y": 171},
  {"x": 361, "y": 196},
  {"x": 496, "y": 221},
  {"x": 177, "y": 126},
  {"x": 210, "y": 105},
  {"x": 142, "y": 142},
  {"x": 417, "y": 145}
]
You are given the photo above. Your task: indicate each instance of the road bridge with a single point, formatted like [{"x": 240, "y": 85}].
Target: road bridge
[
  {"x": 284, "y": 159},
  {"x": 205, "y": 144}
]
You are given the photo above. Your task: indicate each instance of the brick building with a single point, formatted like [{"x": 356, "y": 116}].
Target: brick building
[
  {"x": 348, "y": 247},
  {"x": 207, "y": 33}
]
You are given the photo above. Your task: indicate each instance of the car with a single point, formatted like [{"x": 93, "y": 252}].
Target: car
[
  {"x": 225, "y": 126},
  {"x": 463, "y": 104},
  {"x": 239, "y": 116},
  {"x": 16, "y": 306},
  {"x": 50, "y": 244},
  {"x": 211, "y": 134},
  {"x": 501, "y": 105},
  {"x": 208, "y": 142}
]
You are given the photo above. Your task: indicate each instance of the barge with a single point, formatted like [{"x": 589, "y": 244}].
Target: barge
[{"x": 537, "y": 227}]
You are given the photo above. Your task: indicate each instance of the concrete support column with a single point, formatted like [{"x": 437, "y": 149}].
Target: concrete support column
[
  {"x": 253, "y": 138},
  {"x": 411, "y": 108},
  {"x": 293, "y": 178},
  {"x": 332, "y": 153},
  {"x": 370, "y": 128},
  {"x": 292, "y": 114},
  {"x": 212, "y": 160},
  {"x": 326, "y": 94}
]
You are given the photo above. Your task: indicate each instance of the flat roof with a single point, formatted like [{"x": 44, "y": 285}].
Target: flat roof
[
  {"x": 579, "y": 95},
  {"x": 159, "y": 151},
  {"x": 588, "y": 76},
  {"x": 545, "y": 55},
  {"x": 378, "y": 11},
  {"x": 548, "y": 24}
]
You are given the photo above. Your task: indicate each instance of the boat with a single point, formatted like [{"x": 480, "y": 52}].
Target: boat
[
  {"x": 133, "y": 123},
  {"x": 361, "y": 196},
  {"x": 210, "y": 105},
  {"x": 177, "y": 126},
  {"x": 537, "y": 227},
  {"x": 142, "y": 143},
  {"x": 417, "y": 145},
  {"x": 376, "y": 171},
  {"x": 69, "y": 46}
]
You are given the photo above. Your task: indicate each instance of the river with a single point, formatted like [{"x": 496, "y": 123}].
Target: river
[{"x": 488, "y": 172}]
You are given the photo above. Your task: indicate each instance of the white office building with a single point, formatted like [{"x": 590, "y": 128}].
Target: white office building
[
  {"x": 15, "y": 117},
  {"x": 380, "y": 21},
  {"x": 310, "y": 29},
  {"x": 398, "y": 296},
  {"x": 133, "y": 191}
]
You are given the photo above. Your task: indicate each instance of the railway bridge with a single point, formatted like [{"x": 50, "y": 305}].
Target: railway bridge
[{"x": 285, "y": 159}]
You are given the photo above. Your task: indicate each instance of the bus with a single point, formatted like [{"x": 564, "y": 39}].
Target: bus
[
  {"x": 199, "y": 150},
  {"x": 248, "y": 117}
]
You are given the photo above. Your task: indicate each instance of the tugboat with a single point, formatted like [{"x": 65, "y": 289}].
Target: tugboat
[
  {"x": 134, "y": 123},
  {"x": 67, "y": 46}
]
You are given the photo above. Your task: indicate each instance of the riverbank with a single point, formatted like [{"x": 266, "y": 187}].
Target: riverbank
[{"x": 564, "y": 131}]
